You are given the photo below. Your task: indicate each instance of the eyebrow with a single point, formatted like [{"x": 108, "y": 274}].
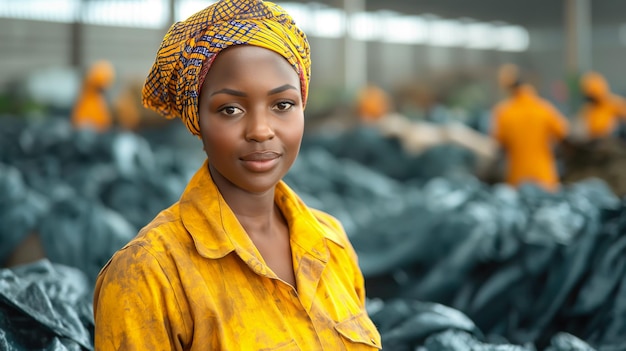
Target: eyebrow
[
  {"x": 280, "y": 89},
  {"x": 230, "y": 92}
]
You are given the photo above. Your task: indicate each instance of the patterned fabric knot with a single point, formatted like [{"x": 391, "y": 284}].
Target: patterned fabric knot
[{"x": 190, "y": 46}]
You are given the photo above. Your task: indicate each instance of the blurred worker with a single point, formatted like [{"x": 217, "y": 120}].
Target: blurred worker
[
  {"x": 91, "y": 109},
  {"x": 602, "y": 109},
  {"x": 127, "y": 107},
  {"x": 373, "y": 103},
  {"x": 526, "y": 126}
]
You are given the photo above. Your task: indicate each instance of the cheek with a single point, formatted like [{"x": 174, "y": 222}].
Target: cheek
[
  {"x": 292, "y": 124},
  {"x": 216, "y": 142},
  {"x": 293, "y": 135}
]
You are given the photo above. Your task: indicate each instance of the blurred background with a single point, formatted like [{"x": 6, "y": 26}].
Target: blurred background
[
  {"x": 400, "y": 145},
  {"x": 448, "y": 50}
]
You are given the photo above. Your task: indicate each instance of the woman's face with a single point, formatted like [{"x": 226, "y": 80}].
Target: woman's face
[{"x": 251, "y": 118}]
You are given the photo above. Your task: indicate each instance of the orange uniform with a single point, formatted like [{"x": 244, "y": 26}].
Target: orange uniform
[
  {"x": 91, "y": 109},
  {"x": 193, "y": 280},
  {"x": 372, "y": 103},
  {"x": 601, "y": 114},
  {"x": 526, "y": 126}
]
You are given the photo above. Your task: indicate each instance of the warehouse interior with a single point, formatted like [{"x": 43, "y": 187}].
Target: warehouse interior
[{"x": 400, "y": 145}]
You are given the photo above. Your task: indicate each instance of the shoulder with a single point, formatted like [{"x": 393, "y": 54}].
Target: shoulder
[
  {"x": 336, "y": 233},
  {"x": 550, "y": 109},
  {"x": 500, "y": 108},
  {"x": 329, "y": 226},
  {"x": 164, "y": 230},
  {"x": 327, "y": 219},
  {"x": 333, "y": 228},
  {"x": 154, "y": 244},
  {"x": 545, "y": 103}
]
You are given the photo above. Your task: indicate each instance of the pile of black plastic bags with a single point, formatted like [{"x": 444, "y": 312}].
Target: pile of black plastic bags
[{"x": 450, "y": 263}]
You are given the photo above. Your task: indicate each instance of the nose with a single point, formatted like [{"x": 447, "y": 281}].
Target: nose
[{"x": 259, "y": 127}]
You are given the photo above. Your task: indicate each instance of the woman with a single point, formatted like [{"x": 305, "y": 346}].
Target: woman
[{"x": 239, "y": 262}]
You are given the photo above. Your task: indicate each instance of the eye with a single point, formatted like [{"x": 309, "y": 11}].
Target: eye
[
  {"x": 230, "y": 110},
  {"x": 284, "y": 106}
]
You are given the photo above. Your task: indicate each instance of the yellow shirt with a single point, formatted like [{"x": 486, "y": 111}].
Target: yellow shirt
[
  {"x": 526, "y": 126},
  {"x": 193, "y": 280}
]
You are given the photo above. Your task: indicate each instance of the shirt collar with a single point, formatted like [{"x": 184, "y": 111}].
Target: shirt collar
[{"x": 216, "y": 231}]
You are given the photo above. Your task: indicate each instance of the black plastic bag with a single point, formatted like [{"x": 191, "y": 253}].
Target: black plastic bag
[
  {"x": 21, "y": 210},
  {"x": 45, "y": 306}
]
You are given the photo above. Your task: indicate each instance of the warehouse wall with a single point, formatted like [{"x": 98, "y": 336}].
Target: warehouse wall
[
  {"x": 27, "y": 45},
  {"x": 547, "y": 55}
]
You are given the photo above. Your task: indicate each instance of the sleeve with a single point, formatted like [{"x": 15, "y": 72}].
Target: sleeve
[
  {"x": 134, "y": 305},
  {"x": 559, "y": 125},
  {"x": 620, "y": 106}
]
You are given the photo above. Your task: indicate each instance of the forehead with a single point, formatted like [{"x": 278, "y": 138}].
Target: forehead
[{"x": 249, "y": 61}]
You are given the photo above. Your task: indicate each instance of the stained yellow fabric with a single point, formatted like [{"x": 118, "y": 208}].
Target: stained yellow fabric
[
  {"x": 91, "y": 109},
  {"x": 527, "y": 126},
  {"x": 193, "y": 280},
  {"x": 600, "y": 117},
  {"x": 172, "y": 86}
]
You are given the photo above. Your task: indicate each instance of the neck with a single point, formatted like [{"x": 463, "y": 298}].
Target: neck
[
  {"x": 261, "y": 223},
  {"x": 257, "y": 212}
]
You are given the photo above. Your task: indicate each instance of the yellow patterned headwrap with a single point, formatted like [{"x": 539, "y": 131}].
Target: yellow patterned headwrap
[{"x": 173, "y": 84}]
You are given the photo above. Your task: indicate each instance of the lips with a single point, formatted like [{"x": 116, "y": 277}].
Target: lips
[
  {"x": 260, "y": 161},
  {"x": 261, "y": 156}
]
